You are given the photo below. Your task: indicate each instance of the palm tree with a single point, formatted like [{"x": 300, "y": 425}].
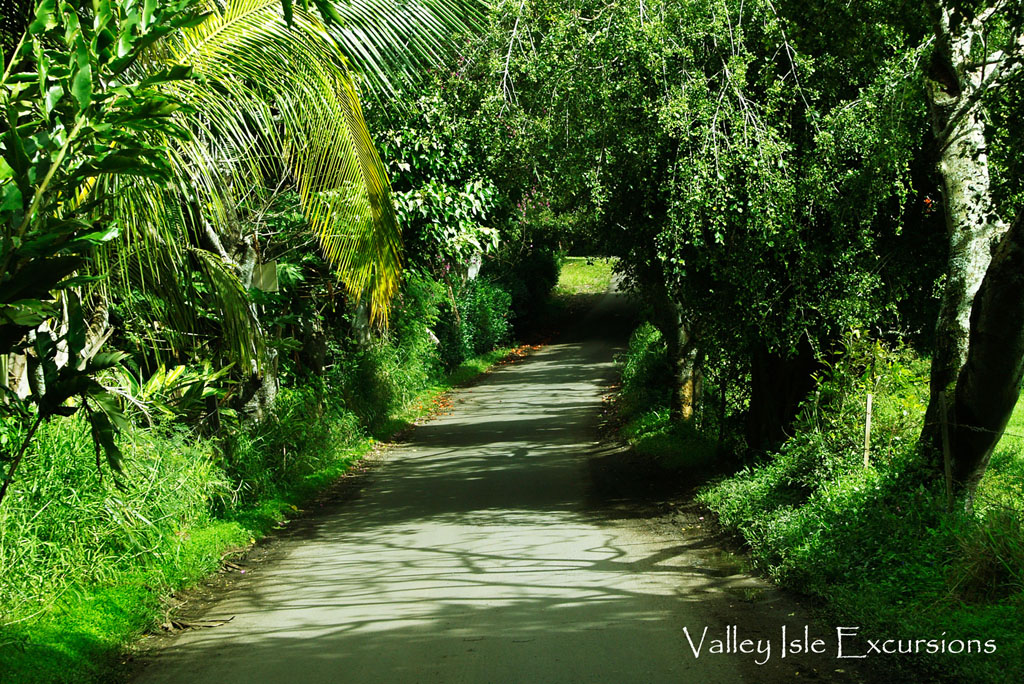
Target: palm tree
[
  {"x": 275, "y": 100},
  {"x": 81, "y": 164}
]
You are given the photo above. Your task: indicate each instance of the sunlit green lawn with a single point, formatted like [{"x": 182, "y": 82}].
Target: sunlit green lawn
[{"x": 585, "y": 275}]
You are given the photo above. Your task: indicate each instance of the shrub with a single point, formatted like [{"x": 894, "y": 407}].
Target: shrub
[
  {"x": 485, "y": 310},
  {"x": 528, "y": 276},
  {"x": 305, "y": 433},
  {"x": 477, "y": 323},
  {"x": 413, "y": 332},
  {"x": 871, "y": 539},
  {"x": 645, "y": 374}
]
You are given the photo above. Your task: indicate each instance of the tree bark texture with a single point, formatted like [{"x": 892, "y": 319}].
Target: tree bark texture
[
  {"x": 989, "y": 384},
  {"x": 972, "y": 225},
  {"x": 682, "y": 349}
]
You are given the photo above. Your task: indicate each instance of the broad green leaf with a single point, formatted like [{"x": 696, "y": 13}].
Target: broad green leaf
[
  {"x": 81, "y": 87},
  {"x": 11, "y": 198},
  {"x": 101, "y": 236},
  {"x": 105, "y": 360},
  {"x": 103, "y": 15},
  {"x": 147, "y": 13},
  {"x": 45, "y": 19},
  {"x": 103, "y": 434},
  {"x": 53, "y": 96},
  {"x": 78, "y": 281},
  {"x": 108, "y": 403},
  {"x": 175, "y": 73},
  {"x": 38, "y": 277},
  {"x": 27, "y": 312},
  {"x": 72, "y": 27}
]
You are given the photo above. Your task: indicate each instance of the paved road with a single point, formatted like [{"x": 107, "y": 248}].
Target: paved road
[{"x": 472, "y": 555}]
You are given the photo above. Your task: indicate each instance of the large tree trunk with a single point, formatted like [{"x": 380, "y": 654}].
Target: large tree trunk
[
  {"x": 989, "y": 384},
  {"x": 972, "y": 225}
]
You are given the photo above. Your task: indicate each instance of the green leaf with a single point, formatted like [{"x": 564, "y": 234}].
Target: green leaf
[
  {"x": 147, "y": 13},
  {"x": 124, "y": 46},
  {"x": 11, "y": 199},
  {"x": 103, "y": 14},
  {"x": 37, "y": 277},
  {"x": 108, "y": 404},
  {"x": 14, "y": 152},
  {"x": 28, "y": 312},
  {"x": 78, "y": 281},
  {"x": 329, "y": 13},
  {"x": 175, "y": 73},
  {"x": 101, "y": 236},
  {"x": 81, "y": 88},
  {"x": 103, "y": 434},
  {"x": 53, "y": 96},
  {"x": 45, "y": 19},
  {"x": 105, "y": 360}
]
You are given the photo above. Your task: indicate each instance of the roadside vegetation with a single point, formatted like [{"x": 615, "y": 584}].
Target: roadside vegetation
[
  {"x": 824, "y": 516},
  {"x": 87, "y": 562},
  {"x": 818, "y": 208},
  {"x": 183, "y": 366}
]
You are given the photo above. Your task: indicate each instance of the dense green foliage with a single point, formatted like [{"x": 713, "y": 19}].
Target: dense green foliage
[
  {"x": 766, "y": 174},
  {"x": 869, "y": 540},
  {"x": 885, "y": 555},
  {"x": 86, "y": 563},
  {"x": 803, "y": 197},
  {"x": 152, "y": 202},
  {"x": 643, "y": 402},
  {"x": 66, "y": 126}
]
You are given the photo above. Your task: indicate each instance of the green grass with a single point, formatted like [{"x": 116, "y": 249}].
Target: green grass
[
  {"x": 422, "y": 403},
  {"x": 1013, "y": 437},
  {"x": 84, "y": 574},
  {"x": 1003, "y": 485},
  {"x": 584, "y": 275},
  {"x": 883, "y": 554},
  {"x": 673, "y": 446}
]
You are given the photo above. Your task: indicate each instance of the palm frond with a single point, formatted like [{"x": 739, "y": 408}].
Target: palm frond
[
  {"x": 240, "y": 319},
  {"x": 394, "y": 41},
  {"x": 268, "y": 94},
  {"x": 270, "y": 100}
]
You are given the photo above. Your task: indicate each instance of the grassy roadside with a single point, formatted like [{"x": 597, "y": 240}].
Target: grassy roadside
[
  {"x": 879, "y": 553},
  {"x": 111, "y": 588}
]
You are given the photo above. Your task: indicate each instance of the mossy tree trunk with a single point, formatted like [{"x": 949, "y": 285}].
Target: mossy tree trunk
[
  {"x": 958, "y": 81},
  {"x": 988, "y": 386}
]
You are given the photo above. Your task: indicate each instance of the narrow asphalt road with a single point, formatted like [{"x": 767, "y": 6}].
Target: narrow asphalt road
[{"x": 474, "y": 554}]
